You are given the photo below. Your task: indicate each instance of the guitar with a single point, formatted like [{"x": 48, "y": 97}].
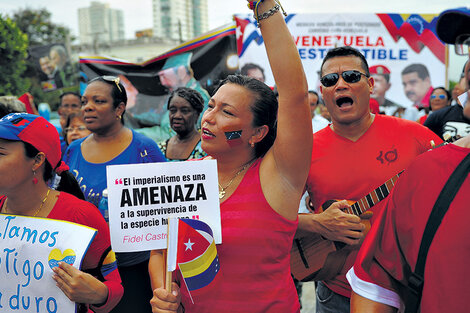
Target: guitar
[{"x": 315, "y": 258}]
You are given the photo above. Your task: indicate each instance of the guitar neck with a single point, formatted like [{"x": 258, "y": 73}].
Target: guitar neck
[{"x": 374, "y": 197}]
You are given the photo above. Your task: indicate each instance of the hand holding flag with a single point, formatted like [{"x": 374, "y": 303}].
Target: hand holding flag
[{"x": 191, "y": 248}]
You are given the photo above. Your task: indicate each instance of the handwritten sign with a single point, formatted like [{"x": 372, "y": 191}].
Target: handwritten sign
[
  {"x": 29, "y": 249},
  {"x": 143, "y": 196}
]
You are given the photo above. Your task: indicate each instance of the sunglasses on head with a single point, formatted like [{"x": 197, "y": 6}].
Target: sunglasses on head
[
  {"x": 438, "y": 96},
  {"x": 351, "y": 76},
  {"x": 112, "y": 79}
]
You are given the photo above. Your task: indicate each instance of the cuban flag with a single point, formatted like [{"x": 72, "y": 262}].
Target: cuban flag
[{"x": 192, "y": 250}]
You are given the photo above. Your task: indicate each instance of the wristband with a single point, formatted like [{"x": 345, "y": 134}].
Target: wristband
[{"x": 253, "y": 5}]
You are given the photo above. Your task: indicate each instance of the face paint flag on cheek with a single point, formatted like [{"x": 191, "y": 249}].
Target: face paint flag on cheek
[{"x": 234, "y": 138}]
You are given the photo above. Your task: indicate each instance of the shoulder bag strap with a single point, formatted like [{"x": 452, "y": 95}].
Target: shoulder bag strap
[{"x": 416, "y": 280}]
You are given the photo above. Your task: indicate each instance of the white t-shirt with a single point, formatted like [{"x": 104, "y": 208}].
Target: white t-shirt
[{"x": 319, "y": 122}]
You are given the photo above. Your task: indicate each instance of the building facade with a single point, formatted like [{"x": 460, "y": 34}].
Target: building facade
[
  {"x": 180, "y": 19},
  {"x": 98, "y": 23}
]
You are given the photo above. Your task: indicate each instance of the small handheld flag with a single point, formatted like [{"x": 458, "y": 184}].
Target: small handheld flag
[{"x": 191, "y": 248}]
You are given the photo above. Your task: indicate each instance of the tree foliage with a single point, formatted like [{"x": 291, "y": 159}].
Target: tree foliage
[
  {"x": 13, "y": 52},
  {"x": 37, "y": 24}
]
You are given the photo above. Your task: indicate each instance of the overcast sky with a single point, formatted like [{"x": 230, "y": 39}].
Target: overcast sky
[{"x": 138, "y": 13}]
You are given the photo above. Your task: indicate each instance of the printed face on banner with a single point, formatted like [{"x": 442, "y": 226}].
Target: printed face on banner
[
  {"x": 380, "y": 86},
  {"x": 415, "y": 87},
  {"x": 143, "y": 196},
  {"x": 29, "y": 249}
]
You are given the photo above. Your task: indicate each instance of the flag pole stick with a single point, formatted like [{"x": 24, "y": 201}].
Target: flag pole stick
[{"x": 168, "y": 274}]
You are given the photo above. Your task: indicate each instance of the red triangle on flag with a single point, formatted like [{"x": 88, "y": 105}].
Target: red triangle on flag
[{"x": 191, "y": 244}]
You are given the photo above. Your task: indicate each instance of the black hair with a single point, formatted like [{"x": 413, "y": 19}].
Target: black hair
[
  {"x": 118, "y": 94},
  {"x": 313, "y": 92},
  {"x": 193, "y": 97},
  {"x": 69, "y": 93},
  {"x": 419, "y": 68},
  {"x": 344, "y": 52},
  {"x": 445, "y": 90},
  {"x": 264, "y": 108},
  {"x": 251, "y": 66},
  {"x": 68, "y": 183}
]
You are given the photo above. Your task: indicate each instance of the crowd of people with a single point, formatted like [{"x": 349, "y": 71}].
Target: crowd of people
[{"x": 314, "y": 171}]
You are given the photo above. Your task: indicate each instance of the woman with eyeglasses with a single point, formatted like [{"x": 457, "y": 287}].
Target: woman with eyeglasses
[
  {"x": 75, "y": 127},
  {"x": 184, "y": 107},
  {"x": 110, "y": 143},
  {"x": 263, "y": 148},
  {"x": 440, "y": 98}
]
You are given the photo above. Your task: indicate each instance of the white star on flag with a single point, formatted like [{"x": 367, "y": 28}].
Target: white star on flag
[{"x": 189, "y": 245}]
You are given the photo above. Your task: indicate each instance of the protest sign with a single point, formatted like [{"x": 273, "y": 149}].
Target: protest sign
[
  {"x": 142, "y": 197},
  {"x": 29, "y": 249},
  {"x": 393, "y": 41}
]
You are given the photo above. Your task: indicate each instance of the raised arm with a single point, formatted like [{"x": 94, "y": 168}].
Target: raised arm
[{"x": 288, "y": 161}]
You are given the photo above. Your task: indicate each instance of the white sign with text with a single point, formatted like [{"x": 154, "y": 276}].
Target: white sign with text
[
  {"x": 29, "y": 249},
  {"x": 141, "y": 198}
]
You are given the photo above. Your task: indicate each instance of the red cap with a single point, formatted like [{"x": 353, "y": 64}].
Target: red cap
[
  {"x": 34, "y": 130},
  {"x": 379, "y": 69}
]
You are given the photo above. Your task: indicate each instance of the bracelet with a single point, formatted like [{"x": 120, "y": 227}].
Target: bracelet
[
  {"x": 253, "y": 5},
  {"x": 267, "y": 14}
]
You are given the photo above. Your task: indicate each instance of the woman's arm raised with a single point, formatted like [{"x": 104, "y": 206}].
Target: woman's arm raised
[{"x": 286, "y": 165}]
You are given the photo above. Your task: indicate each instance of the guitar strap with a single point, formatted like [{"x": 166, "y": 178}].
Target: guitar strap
[{"x": 416, "y": 280}]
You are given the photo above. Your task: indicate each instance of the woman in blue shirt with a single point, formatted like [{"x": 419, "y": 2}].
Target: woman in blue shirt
[{"x": 110, "y": 143}]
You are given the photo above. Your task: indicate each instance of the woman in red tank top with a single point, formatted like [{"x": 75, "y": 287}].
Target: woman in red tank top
[{"x": 263, "y": 150}]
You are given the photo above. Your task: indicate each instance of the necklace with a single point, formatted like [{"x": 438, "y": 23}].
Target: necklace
[
  {"x": 40, "y": 207},
  {"x": 222, "y": 189}
]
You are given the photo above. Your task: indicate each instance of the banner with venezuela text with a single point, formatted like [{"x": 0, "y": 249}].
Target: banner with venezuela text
[{"x": 391, "y": 42}]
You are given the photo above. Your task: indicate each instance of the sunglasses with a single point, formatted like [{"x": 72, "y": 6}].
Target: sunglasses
[
  {"x": 443, "y": 97},
  {"x": 350, "y": 77},
  {"x": 112, "y": 79}
]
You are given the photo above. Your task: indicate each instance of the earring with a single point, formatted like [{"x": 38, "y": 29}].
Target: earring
[
  {"x": 252, "y": 144},
  {"x": 35, "y": 180},
  {"x": 118, "y": 117}
]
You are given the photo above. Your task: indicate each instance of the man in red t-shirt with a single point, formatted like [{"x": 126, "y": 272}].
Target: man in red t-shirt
[
  {"x": 389, "y": 254},
  {"x": 358, "y": 152}
]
